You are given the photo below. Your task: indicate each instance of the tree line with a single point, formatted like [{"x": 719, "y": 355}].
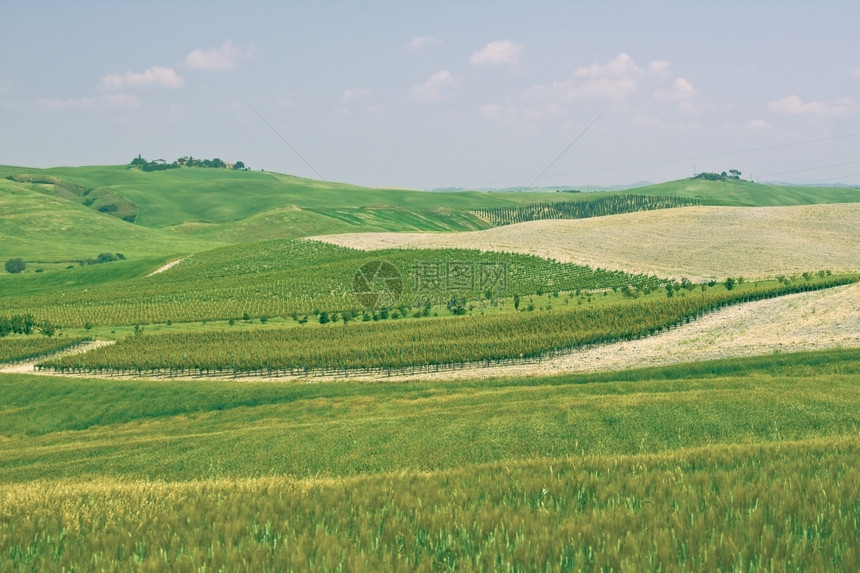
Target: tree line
[
  {"x": 609, "y": 205},
  {"x": 188, "y": 161}
]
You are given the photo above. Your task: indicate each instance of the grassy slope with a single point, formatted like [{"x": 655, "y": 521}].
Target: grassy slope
[
  {"x": 187, "y": 430},
  {"x": 749, "y": 194},
  {"x": 40, "y": 227},
  {"x": 219, "y": 196},
  {"x": 723, "y": 465}
]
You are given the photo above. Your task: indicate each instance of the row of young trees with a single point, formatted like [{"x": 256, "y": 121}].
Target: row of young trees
[{"x": 602, "y": 206}]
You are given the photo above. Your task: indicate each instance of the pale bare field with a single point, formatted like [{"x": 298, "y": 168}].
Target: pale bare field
[{"x": 699, "y": 243}]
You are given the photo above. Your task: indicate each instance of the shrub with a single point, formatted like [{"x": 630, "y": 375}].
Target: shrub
[{"x": 15, "y": 265}]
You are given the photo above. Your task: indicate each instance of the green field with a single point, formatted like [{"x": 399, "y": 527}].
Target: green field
[{"x": 735, "y": 464}]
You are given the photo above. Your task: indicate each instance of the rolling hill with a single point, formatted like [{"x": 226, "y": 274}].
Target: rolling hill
[
  {"x": 699, "y": 243},
  {"x": 67, "y": 213}
]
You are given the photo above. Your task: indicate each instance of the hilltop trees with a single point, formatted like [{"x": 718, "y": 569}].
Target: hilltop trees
[
  {"x": 161, "y": 164},
  {"x": 733, "y": 174}
]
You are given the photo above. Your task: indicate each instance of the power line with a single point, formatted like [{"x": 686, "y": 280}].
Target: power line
[
  {"x": 810, "y": 169},
  {"x": 566, "y": 148},
  {"x": 323, "y": 179},
  {"x": 722, "y": 154}
]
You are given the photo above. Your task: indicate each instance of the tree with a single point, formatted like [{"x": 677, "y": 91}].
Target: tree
[
  {"x": 730, "y": 283},
  {"x": 238, "y": 165},
  {"x": 735, "y": 173},
  {"x": 48, "y": 329},
  {"x": 15, "y": 265}
]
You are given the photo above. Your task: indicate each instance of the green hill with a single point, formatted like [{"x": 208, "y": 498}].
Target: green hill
[
  {"x": 74, "y": 212},
  {"x": 749, "y": 194},
  {"x": 41, "y": 226},
  {"x": 69, "y": 213}
]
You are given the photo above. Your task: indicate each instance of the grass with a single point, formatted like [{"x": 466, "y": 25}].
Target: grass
[
  {"x": 748, "y": 194},
  {"x": 40, "y": 227},
  {"x": 740, "y": 464},
  {"x": 180, "y": 430},
  {"x": 713, "y": 508}
]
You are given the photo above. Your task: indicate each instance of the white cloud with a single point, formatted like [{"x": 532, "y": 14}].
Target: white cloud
[
  {"x": 659, "y": 69},
  {"x": 164, "y": 77},
  {"x": 502, "y": 52},
  {"x": 681, "y": 90},
  {"x": 121, "y": 100},
  {"x": 354, "y": 94},
  {"x": 421, "y": 41},
  {"x": 222, "y": 58},
  {"x": 496, "y": 111},
  {"x": 793, "y": 105},
  {"x": 118, "y": 100},
  {"x": 614, "y": 80},
  {"x": 439, "y": 86},
  {"x": 644, "y": 121},
  {"x": 752, "y": 126}
]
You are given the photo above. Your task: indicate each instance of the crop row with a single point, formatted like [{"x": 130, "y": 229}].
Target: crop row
[
  {"x": 611, "y": 205},
  {"x": 278, "y": 278},
  {"x": 431, "y": 343},
  {"x": 18, "y": 349}
]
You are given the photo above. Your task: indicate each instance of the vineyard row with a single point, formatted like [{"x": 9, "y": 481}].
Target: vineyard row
[{"x": 425, "y": 344}]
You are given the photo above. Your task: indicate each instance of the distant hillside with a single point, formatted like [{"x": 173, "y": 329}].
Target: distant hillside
[
  {"x": 68, "y": 213},
  {"x": 749, "y": 194}
]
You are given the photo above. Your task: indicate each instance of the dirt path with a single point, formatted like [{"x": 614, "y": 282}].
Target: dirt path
[
  {"x": 28, "y": 367},
  {"x": 166, "y": 267}
]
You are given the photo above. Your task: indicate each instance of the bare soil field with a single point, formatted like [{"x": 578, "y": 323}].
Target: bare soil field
[{"x": 699, "y": 243}]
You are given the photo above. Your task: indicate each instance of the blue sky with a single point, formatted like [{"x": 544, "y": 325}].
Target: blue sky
[{"x": 439, "y": 94}]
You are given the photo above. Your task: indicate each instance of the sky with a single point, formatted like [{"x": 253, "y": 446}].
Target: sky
[{"x": 424, "y": 95}]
